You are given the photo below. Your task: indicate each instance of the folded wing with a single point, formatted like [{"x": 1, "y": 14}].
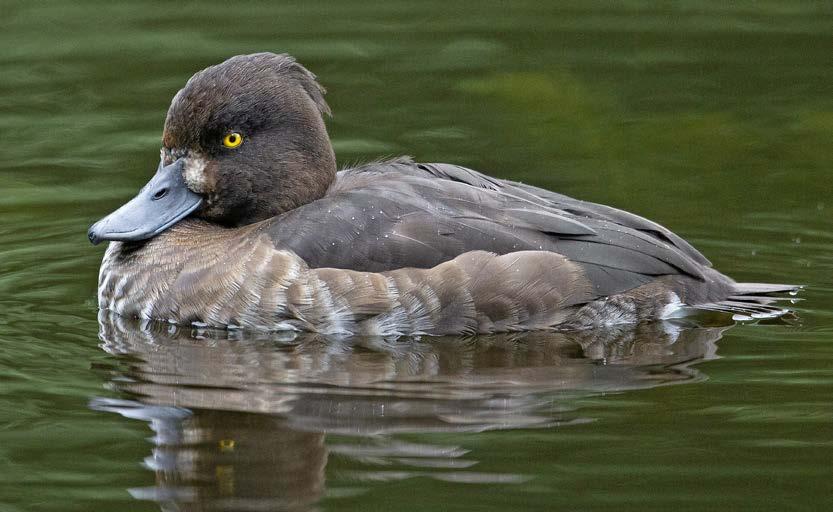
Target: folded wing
[{"x": 398, "y": 214}]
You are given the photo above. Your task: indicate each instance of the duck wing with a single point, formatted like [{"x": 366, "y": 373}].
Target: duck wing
[{"x": 390, "y": 215}]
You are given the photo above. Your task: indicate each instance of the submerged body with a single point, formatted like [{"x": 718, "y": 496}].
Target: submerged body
[{"x": 263, "y": 233}]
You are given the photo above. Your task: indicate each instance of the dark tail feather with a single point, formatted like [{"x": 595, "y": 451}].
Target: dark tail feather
[{"x": 752, "y": 301}]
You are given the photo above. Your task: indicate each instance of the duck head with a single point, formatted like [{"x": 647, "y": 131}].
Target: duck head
[{"x": 243, "y": 141}]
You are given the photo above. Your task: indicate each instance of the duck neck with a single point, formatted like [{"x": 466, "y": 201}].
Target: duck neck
[{"x": 298, "y": 181}]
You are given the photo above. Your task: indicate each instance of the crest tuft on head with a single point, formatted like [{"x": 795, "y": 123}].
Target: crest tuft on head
[{"x": 283, "y": 62}]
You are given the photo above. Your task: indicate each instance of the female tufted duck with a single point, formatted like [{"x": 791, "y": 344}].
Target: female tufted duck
[{"x": 247, "y": 223}]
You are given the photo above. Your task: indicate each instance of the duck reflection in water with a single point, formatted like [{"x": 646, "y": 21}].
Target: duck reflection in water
[{"x": 248, "y": 422}]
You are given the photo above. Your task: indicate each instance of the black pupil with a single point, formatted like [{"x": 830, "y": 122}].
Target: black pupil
[{"x": 232, "y": 138}]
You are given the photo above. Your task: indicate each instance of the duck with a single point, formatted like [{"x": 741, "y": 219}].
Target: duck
[{"x": 248, "y": 224}]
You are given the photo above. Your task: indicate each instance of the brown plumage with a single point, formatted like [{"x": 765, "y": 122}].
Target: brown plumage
[{"x": 280, "y": 240}]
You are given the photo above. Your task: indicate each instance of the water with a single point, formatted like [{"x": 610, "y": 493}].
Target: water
[{"x": 714, "y": 119}]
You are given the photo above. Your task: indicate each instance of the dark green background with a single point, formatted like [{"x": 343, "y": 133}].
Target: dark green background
[{"x": 713, "y": 118}]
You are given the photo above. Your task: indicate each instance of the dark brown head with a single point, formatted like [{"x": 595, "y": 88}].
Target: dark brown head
[
  {"x": 243, "y": 141},
  {"x": 252, "y": 134}
]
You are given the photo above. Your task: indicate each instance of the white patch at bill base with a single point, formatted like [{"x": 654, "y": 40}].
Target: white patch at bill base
[{"x": 194, "y": 173}]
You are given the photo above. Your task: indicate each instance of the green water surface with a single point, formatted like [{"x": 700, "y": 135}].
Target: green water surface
[{"x": 713, "y": 118}]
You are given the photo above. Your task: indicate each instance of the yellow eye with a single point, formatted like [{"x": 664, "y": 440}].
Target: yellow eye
[{"x": 232, "y": 140}]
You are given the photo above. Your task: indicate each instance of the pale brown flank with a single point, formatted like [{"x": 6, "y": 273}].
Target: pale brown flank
[{"x": 197, "y": 273}]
